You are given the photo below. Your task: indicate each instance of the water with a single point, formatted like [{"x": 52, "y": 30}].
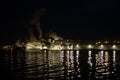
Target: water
[{"x": 60, "y": 65}]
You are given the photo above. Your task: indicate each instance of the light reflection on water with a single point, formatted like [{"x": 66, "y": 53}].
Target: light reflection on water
[{"x": 64, "y": 65}]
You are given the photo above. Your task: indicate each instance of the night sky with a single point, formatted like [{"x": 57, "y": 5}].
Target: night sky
[{"x": 86, "y": 19}]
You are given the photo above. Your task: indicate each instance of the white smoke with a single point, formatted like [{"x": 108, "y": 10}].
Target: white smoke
[{"x": 35, "y": 23}]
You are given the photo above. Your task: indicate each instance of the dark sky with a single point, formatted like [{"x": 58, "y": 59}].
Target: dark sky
[{"x": 86, "y": 19}]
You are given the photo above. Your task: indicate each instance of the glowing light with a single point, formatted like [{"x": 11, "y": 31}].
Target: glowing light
[
  {"x": 114, "y": 56},
  {"x": 96, "y": 43},
  {"x": 106, "y": 42},
  {"x": 77, "y": 52},
  {"x": 102, "y": 52},
  {"x": 89, "y": 58},
  {"x": 56, "y": 47},
  {"x": 68, "y": 51},
  {"x": 89, "y": 52},
  {"x": 68, "y": 47},
  {"x": 71, "y": 47},
  {"x": 89, "y": 46},
  {"x": 77, "y": 45},
  {"x": 106, "y": 58},
  {"x": 114, "y": 52},
  {"x": 99, "y": 42},
  {"x": 45, "y": 47},
  {"x": 101, "y": 46},
  {"x": 114, "y": 47},
  {"x": 33, "y": 45}
]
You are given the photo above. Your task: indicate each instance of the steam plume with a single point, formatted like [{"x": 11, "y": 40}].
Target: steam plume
[{"x": 35, "y": 31}]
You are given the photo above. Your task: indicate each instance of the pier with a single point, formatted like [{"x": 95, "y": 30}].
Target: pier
[
  {"x": 92, "y": 47},
  {"x": 85, "y": 47},
  {"x": 70, "y": 46}
]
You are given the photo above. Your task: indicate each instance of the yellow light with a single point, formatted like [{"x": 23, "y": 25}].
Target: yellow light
[
  {"x": 101, "y": 46},
  {"x": 114, "y": 47},
  {"x": 77, "y": 45},
  {"x": 45, "y": 47},
  {"x": 89, "y": 46},
  {"x": 96, "y": 43}
]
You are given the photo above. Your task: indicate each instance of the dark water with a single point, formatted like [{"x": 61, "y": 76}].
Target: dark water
[{"x": 60, "y": 65}]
